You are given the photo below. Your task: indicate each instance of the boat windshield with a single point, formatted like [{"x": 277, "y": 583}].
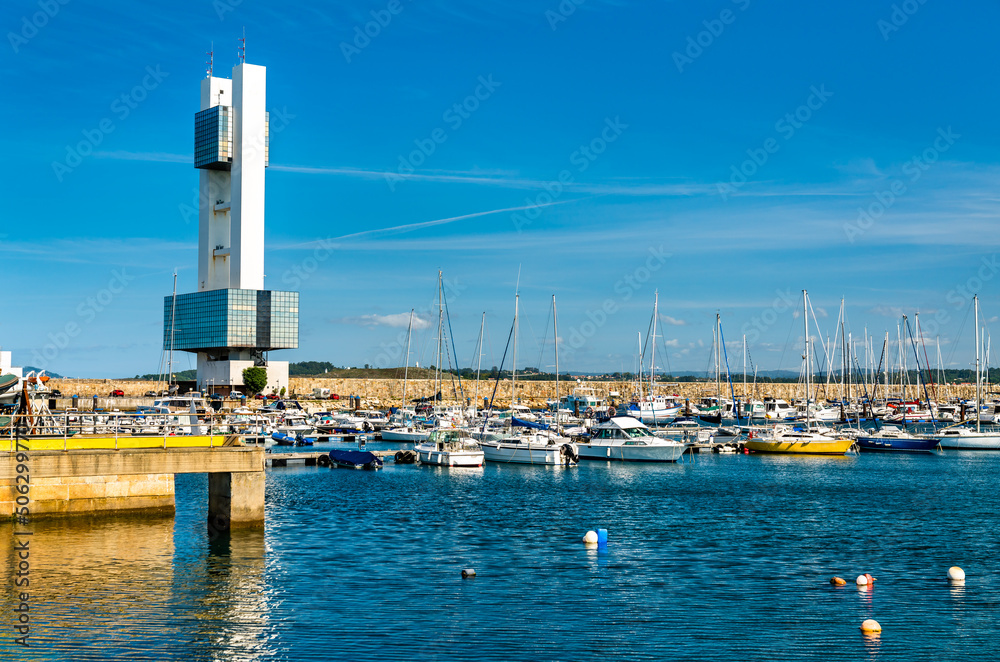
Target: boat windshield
[{"x": 638, "y": 432}]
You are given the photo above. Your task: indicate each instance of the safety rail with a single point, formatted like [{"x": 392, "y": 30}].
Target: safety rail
[{"x": 118, "y": 430}]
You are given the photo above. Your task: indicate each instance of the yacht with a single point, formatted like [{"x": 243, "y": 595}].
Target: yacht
[
  {"x": 450, "y": 448},
  {"x": 629, "y": 440}
]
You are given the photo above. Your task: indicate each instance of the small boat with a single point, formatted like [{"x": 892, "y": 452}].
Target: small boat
[
  {"x": 283, "y": 439},
  {"x": 629, "y": 440},
  {"x": 355, "y": 459},
  {"x": 892, "y": 438},
  {"x": 301, "y": 440},
  {"x": 450, "y": 448},
  {"x": 786, "y": 439}
]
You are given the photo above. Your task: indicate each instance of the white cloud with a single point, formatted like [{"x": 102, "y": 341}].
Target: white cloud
[
  {"x": 396, "y": 320},
  {"x": 673, "y": 320}
]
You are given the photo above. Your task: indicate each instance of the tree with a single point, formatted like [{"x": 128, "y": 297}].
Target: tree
[{"x": 255, "y": 379}]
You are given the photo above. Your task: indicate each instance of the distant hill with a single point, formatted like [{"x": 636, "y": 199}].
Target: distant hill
[
  {"x": 182, "y": 376},
  {"x": 30, "y": 368}
]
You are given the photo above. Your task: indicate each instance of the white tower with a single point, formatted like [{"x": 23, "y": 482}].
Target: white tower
[{"x": 232, "y": 321}]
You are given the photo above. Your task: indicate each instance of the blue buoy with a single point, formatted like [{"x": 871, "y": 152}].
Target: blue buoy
[{"x": 602, "y": 537}]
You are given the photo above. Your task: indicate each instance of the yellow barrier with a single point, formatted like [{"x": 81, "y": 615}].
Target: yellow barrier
[{"x": 77, "y": 442}]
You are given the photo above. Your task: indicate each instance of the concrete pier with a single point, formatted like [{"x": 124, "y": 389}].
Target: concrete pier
[{"x": 88, "y": 482}]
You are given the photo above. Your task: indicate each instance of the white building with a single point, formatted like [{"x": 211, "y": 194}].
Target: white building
[
  {"x": 232, "y": 322},
  {"x": 6, "y": 368}
]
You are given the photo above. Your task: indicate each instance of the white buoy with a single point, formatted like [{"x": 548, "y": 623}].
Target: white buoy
[
  {"x": 862, "y": 580},
  {"x": 469, "y": 572},
  {"x": 871, "y": 625},
  {"x": 956, "y": 574},
  {"x": 590, "y": 538}
]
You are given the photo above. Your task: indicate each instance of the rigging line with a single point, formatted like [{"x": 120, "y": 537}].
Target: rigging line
[
  {"x": 447, "y": 314},
  {"x": 666, "y": 355},
  {"x": 916, "y": 357},
  {"x": 729, "y": 376},
  {"x": 781, "y": 361},
  {"x": 927, "y": 362},
  {"x": 496, "y": 385},
  {"x": 541, "y": 350},
  {"x": 951, "y": 356},
  {"x": 819, "y": 334}
]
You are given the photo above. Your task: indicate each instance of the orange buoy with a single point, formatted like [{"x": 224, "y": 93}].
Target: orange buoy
[
  {"x": 837, "y": 581},
  {"x": 871, "y": 625}
]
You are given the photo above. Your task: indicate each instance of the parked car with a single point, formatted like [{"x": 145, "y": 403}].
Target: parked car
[
  {"x": 334, "y": 396},
  {"x": 150, "y": 394},
  {"x": 258, "y": 396},
  {"x": 272, "y": 396},
  {"x": 235, "y": 395},
  {"x": 215, "y": 396},
  {"x": 55, "y": 393},
  {"x": 117, "y": 393}
]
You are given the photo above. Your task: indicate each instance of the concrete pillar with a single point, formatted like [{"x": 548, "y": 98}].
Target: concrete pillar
[{"x": 235, "y": 500}]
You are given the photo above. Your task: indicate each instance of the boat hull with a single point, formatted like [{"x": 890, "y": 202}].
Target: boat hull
[
  {"x": 525, "y": 454},
  {"x": 622, "y": 453},
  {"x": 964, "y": 443},
  {"x": 799, "y": 447},
  {"x": 450, "y": 458},
  {"x": 897, "y": 445},
  {"x": 405, "y": 435}
]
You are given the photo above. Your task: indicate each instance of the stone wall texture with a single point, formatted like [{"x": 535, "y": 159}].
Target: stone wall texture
[{"x": 389, "y": 392}]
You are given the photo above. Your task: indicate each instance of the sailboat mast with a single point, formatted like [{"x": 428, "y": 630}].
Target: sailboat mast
[
  {"x": 479, "y": 367},
  {"x": 406, "y": 361},
  {"x": 843, "y": 355},
  {"x": 978, "y": 379},
  {"x": 513, "y": 363},
  {"x": 652, "y": 349},
  {"x": 805, "y": 321},
  {"x": 173, "y": 311},
  {"x": 718, "y": 363},
  {"x": 555, "y": 334},
  {"x": 438, "y": 385}
]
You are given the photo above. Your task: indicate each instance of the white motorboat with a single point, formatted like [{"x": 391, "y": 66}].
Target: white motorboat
[
  {"x": 539, "y": 448},
  {"x": 450, "y": 448},
  {"x": 629, "y": 440},
  {"x": 407, "y": 433}
]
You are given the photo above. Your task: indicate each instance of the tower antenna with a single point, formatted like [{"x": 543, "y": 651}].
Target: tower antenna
[
  {"x": 242, "y": 50},
  {"x": 211, "y": 59}
]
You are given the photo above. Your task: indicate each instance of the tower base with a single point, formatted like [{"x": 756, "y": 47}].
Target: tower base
[{"x": 225, "y": 376}]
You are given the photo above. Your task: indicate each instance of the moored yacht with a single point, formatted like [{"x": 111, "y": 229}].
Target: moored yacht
[{"x": 627, "y": 439}]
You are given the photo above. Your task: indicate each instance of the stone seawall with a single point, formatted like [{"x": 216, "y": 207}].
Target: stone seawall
[{"x": 389, "y": 392}]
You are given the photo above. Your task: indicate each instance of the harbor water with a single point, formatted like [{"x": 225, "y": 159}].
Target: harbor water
[{"x": 726, "y": 557}]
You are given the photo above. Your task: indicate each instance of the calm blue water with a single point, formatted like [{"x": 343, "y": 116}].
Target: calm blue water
[{"x": 727, "y": 558}]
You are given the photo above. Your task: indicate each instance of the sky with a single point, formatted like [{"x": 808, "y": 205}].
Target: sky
[{"x": 725, "y": 154}]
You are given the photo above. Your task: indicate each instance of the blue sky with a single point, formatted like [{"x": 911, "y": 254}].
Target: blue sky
[{"x": 597, "y": 152}]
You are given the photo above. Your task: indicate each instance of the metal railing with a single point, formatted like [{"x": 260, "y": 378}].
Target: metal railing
[{"x": 119, "y": 426}]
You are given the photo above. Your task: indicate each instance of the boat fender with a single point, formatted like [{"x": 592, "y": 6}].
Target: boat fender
[
  {"x": 956, "y": 574},
  {"x": 323, "y": 461},
  {"x": 468, "y": 573},
  {"x": 590, "y": 538},
  {"x": 871, "y": 625},
  {"x": 838, "y": 581}
]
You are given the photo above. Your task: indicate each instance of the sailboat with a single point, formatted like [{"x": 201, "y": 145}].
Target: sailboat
[
  {"x": 407, "y": 432},
  {"x": 963, "y": 438},
  {"x": 538, "y": 445},
  {"x": 791, "y": 439},
  {"x": 892, "y": 438}
]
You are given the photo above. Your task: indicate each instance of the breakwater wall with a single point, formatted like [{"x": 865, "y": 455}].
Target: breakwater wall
[{"x": 389, "y": 392}]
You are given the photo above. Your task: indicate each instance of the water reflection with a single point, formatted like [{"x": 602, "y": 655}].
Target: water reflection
[{"x": 126, "y": 587}]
